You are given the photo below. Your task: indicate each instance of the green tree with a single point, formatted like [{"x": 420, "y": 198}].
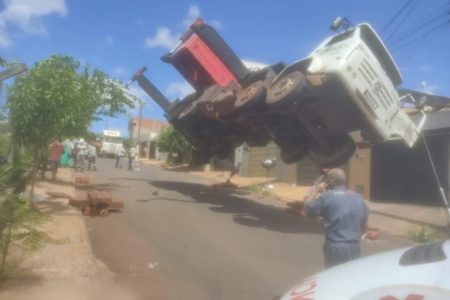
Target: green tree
[
  {"x": 57, "y": 99},
  {"x": 172, "y": 141}
]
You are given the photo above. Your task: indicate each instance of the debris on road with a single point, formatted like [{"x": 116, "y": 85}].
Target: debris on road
[
  {"x": 96, "y": 203},
  {"x": 82, "y": 182},
  {"x": 100, "y": 203}
]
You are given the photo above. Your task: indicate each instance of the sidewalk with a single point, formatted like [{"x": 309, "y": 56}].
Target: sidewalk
[
  {"x": 72, "y": 258},
  {"x": 396, "y": 219},
  {"x": 68, "y": 268}
]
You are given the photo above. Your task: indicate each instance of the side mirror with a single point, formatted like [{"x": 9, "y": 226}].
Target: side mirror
[
  {"x": 420, "y": 103},
  {"x": 340, "y": 22},
  {"x": 336, "y": 23}
]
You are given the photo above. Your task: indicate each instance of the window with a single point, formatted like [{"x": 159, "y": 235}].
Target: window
[{"x": 112, "y": 139}]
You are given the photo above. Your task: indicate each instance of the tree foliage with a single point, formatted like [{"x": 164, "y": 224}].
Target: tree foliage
[
  {"x": 58, "y": 99},
  {"x": 172, "y": 141}
]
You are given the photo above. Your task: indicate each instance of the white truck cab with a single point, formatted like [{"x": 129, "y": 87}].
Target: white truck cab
[
  {"x": 348, "y": 83},
  {"x": 111, "y": 143},
  {"x": 370, "y": 75}
]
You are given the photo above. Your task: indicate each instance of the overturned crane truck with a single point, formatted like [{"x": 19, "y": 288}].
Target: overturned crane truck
[{"x": 310, "y": 107}]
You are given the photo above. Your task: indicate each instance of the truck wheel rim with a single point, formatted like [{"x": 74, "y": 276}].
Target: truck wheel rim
[
  {"x": 247, "y": 94},
  {"x": 282, "y": 86}
]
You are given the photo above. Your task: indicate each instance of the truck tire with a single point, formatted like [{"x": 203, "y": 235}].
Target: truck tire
[
  {"x": 336, "y": 154},
  {"x": 293, "y": 154},
  {"x": 286, "y": 89},
  {"x": 250, "y": 96}
]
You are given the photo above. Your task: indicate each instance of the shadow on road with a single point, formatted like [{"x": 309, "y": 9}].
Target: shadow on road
[{"x": 245, "y": 211}]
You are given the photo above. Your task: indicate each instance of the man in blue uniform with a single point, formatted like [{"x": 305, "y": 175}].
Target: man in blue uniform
[{"x": 344, "y": 215}]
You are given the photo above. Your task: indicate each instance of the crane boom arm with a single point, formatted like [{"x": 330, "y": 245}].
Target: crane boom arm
[{"x": 151, "y": 90}]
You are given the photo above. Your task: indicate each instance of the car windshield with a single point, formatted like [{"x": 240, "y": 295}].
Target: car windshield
[{"x": 112, "y": 140}]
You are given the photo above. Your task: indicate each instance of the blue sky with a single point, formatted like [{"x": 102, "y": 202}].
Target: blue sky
[{"x": 118, "y": 36}]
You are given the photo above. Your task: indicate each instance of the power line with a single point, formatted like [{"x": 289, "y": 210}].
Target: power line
[
  {"x": 408, "y": 53},
  {"x": 401, "y": 22},
  {"x": 432, "y": 30},
  {"x": 428, "y": 20},
  {"x": 392, "y": 20}
]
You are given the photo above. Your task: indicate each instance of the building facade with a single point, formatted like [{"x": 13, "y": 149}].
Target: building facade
[
  {"x": 149, "y": 131},
  {"x": 387, "y": 172}
]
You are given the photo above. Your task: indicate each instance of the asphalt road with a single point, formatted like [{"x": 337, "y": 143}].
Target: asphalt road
[{"x": 177, "y": 238}]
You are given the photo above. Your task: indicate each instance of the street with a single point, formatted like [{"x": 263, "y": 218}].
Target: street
[{"x": 177, "y": 238}]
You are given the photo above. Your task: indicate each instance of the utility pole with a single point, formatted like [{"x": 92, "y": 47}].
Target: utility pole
[{"x": 138, "y": 146}]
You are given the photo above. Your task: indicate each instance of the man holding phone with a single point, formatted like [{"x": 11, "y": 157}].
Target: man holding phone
[{"x": 344, "y": 215}]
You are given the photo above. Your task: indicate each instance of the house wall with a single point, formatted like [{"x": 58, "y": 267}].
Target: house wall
[
  {"x": 251, "y": 158},
  {"x": 304, "y": 172},
  {"x": 258, "y": 155},
  {"x": 403, "y": 174},
  {"x": 307, "y": 171},
  {"x": 359, "y": 172}
]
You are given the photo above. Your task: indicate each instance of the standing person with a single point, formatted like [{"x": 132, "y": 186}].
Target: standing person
[
  {"x": 344, "y": 216},
  {"x": 81, "y": 153},
  {"x": 67, "y": 153},
  {"x": 131, "y": 158},
  {"x": 120, "y": 153},
  {"x": 56, "y": 150},
  {"x": 73, "y": 160},
  {"x": 92, "y": 156}
]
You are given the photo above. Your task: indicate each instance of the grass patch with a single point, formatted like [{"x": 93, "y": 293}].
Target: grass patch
[
  {"x": 254, "y": 188},
  {"x": 422, "y": 236}
]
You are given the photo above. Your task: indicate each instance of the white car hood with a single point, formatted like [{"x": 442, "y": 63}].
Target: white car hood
[{"x": 424, "y": 275}]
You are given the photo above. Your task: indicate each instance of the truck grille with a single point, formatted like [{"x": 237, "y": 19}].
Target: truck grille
[{"x": 382, "y": 96}]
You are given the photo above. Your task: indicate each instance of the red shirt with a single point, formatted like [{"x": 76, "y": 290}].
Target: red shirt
[{"x": 56, "y": 150}]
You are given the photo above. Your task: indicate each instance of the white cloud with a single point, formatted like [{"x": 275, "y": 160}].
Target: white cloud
[
  {"x": 179, "y": 89},
  {"x": 192, "y": 15},
  {"x": 428, "y": 88},
  {"x": 119, "y": 70},
  {"x": 254, "y": 65},
  {"x": 4, "y": 39},
  {"x": 163, "y": 38},
  {"x": 26, "y": 16},
  {"x": 109, "y": 39}
]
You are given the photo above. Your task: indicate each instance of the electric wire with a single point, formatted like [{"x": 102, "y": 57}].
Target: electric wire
[
  {"x": 392, "y": 20},
  {"x": 408, "y": 52},
  {"x": 424, "y": 34},
  {"x": 401, "y": 22},
  {"x": 431, "y": 18}
]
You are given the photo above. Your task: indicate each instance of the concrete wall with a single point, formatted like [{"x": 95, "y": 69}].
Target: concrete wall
[
  {"x": 359, "y": 172},
  {"x": 305, "y": 172},
  {"x": 251, "y": 159}
]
